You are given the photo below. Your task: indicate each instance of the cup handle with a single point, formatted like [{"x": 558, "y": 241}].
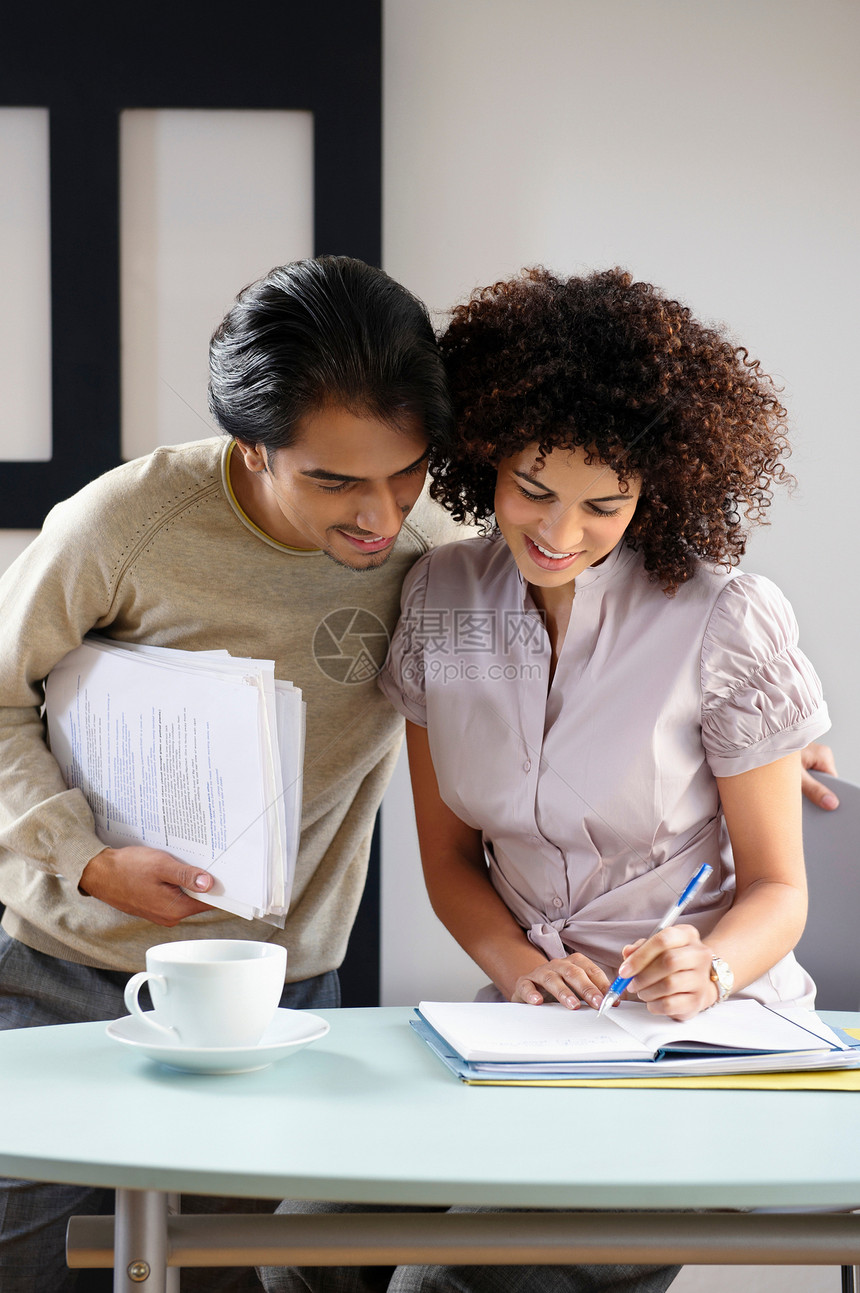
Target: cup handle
[{"x": 132, "y": 1005}]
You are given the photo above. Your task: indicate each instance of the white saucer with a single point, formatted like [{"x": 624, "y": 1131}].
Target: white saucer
[{"x": 288, "y": 1032}]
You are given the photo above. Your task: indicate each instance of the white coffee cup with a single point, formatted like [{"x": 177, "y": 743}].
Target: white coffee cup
[{"x": 211, "y": 991}]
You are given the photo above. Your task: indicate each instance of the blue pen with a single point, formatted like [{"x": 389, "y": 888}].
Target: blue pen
[{"x": 617, "y": 987}]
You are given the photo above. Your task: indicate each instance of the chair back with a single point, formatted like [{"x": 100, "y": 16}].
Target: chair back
[{"x": 830, "y": 946}]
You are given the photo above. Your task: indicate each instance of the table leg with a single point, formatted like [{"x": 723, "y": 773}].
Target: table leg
[{"x": 140, "y": 1243}]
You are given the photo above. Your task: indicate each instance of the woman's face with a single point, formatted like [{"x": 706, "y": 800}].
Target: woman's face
[{"x": 560, "y": 515}]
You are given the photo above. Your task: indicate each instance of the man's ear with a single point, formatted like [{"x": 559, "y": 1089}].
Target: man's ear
[{"x": 254, "y": 456}]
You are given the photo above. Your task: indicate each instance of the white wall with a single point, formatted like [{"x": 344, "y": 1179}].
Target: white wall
[{"x": 710, "y": 149}]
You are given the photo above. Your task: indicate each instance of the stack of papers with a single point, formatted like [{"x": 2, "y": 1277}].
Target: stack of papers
[
  {"x": 504, "y": 1042},
  {"x": 198, "y": 753}
]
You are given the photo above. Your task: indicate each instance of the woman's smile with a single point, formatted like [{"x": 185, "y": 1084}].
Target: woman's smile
[{"x": 547, "y": 559}]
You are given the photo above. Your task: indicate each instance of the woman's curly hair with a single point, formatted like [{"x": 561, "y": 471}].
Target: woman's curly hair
[{"x": 610, "y": 366}]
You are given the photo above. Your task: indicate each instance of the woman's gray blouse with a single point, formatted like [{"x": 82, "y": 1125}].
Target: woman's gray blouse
[{"x": 596, "y": 796}]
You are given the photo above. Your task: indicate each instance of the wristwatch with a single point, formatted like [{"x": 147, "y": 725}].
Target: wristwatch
[{"x": 722, "y": 976}]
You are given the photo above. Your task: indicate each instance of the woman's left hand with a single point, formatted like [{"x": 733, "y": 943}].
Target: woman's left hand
[
  {"x": 569, "y": 979},
  {"x": 671, "y": 972}
]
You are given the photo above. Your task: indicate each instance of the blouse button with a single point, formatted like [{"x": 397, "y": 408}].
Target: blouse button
[
  {"x": 556, "y": 902},
  {"x": 527, "y": 766}
]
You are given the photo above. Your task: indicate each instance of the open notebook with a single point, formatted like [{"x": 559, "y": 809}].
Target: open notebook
[{"x": 519, "y": 1042}]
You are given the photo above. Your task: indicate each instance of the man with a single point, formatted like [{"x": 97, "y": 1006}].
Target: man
[{"x": 326, "y": 378}]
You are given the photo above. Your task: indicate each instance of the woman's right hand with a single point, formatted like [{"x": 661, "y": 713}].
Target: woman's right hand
[{"x": 571, "y": 980}]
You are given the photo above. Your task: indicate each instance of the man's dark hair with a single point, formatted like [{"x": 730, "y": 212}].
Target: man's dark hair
[{"x": 327, "y": 332}]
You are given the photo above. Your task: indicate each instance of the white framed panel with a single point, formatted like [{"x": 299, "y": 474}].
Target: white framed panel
[
  {"x": 25, "y": 286},
  {"x": 209, "y": 201}
]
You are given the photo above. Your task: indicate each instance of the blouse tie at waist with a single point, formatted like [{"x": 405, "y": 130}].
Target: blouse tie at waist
[{"x": 547, "y": 937}]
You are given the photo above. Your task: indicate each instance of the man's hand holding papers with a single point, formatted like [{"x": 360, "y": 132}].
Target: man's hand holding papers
[
  {"x": 145, "y": 882},
  {"x": 191, "y": 764}
]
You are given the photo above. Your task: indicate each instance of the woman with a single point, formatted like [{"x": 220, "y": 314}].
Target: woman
[{"x": 598, "y": 700}]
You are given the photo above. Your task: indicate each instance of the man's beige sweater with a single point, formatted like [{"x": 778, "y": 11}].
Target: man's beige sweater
[{"x": 157, "y": 551}]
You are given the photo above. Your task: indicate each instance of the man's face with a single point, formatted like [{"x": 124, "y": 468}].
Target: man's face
[{"x": 345, "y": 485}]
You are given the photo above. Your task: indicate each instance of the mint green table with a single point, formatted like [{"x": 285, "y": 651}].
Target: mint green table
[{"x": 368, "y": 1115}]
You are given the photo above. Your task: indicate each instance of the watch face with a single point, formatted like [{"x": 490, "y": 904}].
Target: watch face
[{"x": 722, "y": 976}]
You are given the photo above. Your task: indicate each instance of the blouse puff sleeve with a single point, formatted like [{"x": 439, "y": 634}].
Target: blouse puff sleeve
[
  {"x": 761, "y": 698},
  {"x": 401, "y": 678}
]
